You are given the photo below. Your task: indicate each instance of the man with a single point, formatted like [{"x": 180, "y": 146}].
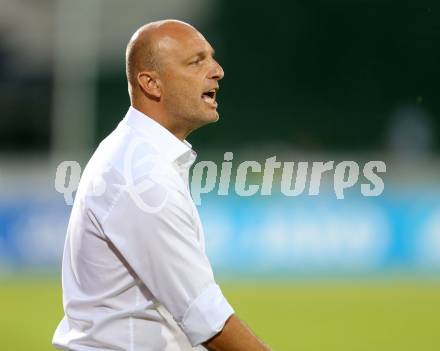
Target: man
[{"x": 135, "y": 272}]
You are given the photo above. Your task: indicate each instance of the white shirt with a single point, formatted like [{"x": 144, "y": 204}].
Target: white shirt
[{"x": 135, "y": 274}]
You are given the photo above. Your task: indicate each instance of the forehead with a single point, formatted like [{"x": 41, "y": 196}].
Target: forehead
[{"x": 184, "y": 43}]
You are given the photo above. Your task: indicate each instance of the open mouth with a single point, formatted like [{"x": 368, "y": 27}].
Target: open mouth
[{"x": 209, "y": 97}]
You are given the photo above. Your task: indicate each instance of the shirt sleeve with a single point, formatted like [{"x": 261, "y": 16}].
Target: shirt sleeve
[{"x": 160, "y": 243}]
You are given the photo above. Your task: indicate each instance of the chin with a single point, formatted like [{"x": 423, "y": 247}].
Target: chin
[
  {"x": 212, "y": 117},
  {"x": 216, "y": 117}
]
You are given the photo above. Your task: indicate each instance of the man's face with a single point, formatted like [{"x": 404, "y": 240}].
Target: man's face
[{"x": 189, "y": 75}]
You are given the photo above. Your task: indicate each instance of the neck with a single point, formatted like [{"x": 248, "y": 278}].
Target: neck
[{"x": 158, "y": 115}]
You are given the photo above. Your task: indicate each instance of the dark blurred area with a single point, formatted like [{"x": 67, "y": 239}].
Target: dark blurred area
[
  {"x": 327, "y": 75},
  {"x": 312, "y": 75},
  {"x": 25, "y": 100}
]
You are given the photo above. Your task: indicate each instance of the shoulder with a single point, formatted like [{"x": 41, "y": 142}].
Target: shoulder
[{"x": 127, "y": 163}]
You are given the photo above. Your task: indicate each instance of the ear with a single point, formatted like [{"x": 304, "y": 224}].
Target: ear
[{"x": 150, "y": 84}]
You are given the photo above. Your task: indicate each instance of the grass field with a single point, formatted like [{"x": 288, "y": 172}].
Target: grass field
[{"x": 393, "y": 315}]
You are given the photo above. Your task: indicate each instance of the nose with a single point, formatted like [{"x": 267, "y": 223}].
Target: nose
[{"x": 217, "y": 72}]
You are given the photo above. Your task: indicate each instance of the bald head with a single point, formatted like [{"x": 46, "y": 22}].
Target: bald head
[
  {"x": 173, "y": 76},
  {"x": 148, "y": 46}
]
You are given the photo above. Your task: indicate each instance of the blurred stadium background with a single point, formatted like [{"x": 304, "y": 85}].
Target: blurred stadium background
[{"x": 341, "y": 80}]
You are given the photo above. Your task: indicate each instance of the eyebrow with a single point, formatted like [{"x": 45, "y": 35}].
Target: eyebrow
[{"x": 204, "y": 53}]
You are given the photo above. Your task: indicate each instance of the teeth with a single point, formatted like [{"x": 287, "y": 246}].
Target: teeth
[
  {"x": 210, "y": 93},
  {"x": 209, "y": 99},
  {"x": 209, "y": 96}
]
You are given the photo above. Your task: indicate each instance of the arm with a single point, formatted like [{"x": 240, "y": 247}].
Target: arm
[
  {"x": 235, "y": 336},
  {"x": 163, "y": 248}
]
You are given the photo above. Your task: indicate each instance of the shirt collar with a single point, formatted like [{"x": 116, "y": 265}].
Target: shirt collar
[{"x": 167, "y": 144}]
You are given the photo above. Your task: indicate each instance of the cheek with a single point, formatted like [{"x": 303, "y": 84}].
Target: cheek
[
  {"x": 187, "y": 96},
  {"x": 181, "y": 95},
  {"x": 182, "y": 100},
  {"x": 181, "y": 88}
]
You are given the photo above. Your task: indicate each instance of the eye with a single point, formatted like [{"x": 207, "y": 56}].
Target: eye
[{"x": 196, "y": 61}]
